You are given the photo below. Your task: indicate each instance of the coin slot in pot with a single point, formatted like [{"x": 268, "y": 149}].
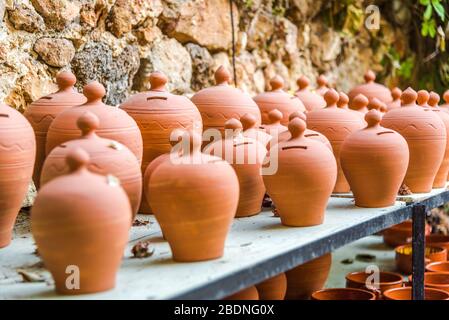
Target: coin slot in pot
[
  {"x": 47, "y": 98},
  {"x": 311, "y": 135},
  {"x": 384, "y": 132},
  {"x": 242, "y": 143},
  {"x": 295, "y": 147},
  {"x": 4, "y": 115},
  {"x": 156, "y": 98}
]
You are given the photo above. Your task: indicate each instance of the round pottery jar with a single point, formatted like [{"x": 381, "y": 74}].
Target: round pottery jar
[
  {"x": 445, "y": 105},
  {"x": 360, "y": 103},
  {"x": 107, "y": 157},
  {"x": 378, "y": 105},
  {"x": 322, "y": 83},
  {"x": 374, "y": 161},
  {"x": 401, "y": 234},
  {"x": 194, "y": 214},
  {"x": 304, "y": 179},
  {"x": 343, "y": 294},
  {"x": 370, "y": 89},
  {"x": 115, "y": 124},
  {"x": 273, "y": 288},
  {"x": 387, "y": 280},
  {"x": 222, "y": 102},
  {"x": 442, "y": 174},
  {"x": 245, "y": 155},
  {"x": 277, "y": 98},
  {"x": 307, "y": 278},
  {"x": 18, "y": 151},
  {"x": 336, "y": 124},
  {"x": 250, "y": 293},
  {"x": 405, "y": 293},
  {"x": 274, "y": 127},
  {"x": 404, "y": 257},
  {"x": 91, "y": 234},
  {"x": 426, "y": 138},
  {"x": 439, "y": 266},
  {"x": 250, "y": 129},
  {"x": 396, "y": 96},
  {"x": 438, "y": 240},
  {"x": 434, "y": 280},
  {"x": 41, "y": 113},
  {"x": 311, "y": 100}
]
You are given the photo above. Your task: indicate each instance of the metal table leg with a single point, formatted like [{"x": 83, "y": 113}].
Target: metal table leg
[{"x": 418, "y": 254}]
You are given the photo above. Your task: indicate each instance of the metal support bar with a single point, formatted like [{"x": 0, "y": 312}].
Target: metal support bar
[{"x": 418, "y": 253}]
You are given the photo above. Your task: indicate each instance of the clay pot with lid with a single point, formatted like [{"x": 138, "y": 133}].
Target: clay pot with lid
[
  {"x": 245, "y": 155},
  {"x": 322, "y": 85},
  {"x": 222, "y": 102},
  {"x": 115, "y": 124},
  {"x": 17, "y": 156},
  {"x": 251, "y": 130},
  {"x": 273, "y": 288},
  {"x": 374, "y": 161},
  {"x": 396, "y": 96},
  {"x": 41, "y": 113},
  {"x": 445, "y": 105},
  {"x": 277, "y": 98},
  {"x": 387, "y": 280},
  {"x": 376, "y": 104},
  {"x": 194, "y": 200},
  {"x": 405, "y": 293},
  {"x": 249, "y": 293},
  {"x": 403, "y": 256},
  {"x": 107, "y": 157},
  {"x": 81, "y": 219},
  {"x": 343, "y": 103},
  {"x": 304, "y": 179},
  {"x": 343, "y": 294},
  {"x": 274, "y": 127},
  {"x": 426, "y": 138},
  {"x": 310, "y": 99},
  {"x": 370, "y": 89},
  {"x": 336, "y": 124},
  {"x": 360, "y": 104}
]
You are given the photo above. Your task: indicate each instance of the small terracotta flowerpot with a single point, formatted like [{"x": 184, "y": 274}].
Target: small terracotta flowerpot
[
  {"x": 274, "y": 288},
  {"x": 343, "y": 294},
  {"x": 401, "y": 234},
  {"x": 435, "y": 280},
  {"x": 387, "y": 280},
  {"x": 405, "y": 293},
  {"x": 438, "y": 240},
  {"x": 250, "y": 293},
  {"x": 439, "y": 266},
  {"x": 404, "y": 257}
]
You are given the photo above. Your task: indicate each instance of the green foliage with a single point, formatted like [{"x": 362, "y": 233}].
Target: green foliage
[
  {"x": 402, "y": 68},
  {"x": 433, "y": 14}
]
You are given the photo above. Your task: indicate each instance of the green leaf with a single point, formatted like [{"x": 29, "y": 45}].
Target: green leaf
[
  {"x": 428, "y": 13},
  {"x": 432, "y": 30},
  {"x": 438, "y": 8},
  {"x": 424, "y": 2}
]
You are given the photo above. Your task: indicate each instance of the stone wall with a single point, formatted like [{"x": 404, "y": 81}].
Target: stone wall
[{"x": 120, "y": 42}]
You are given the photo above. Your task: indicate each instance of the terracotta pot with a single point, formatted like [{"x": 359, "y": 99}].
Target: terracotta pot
[
  {"x": 439, "y": 266},
  {"x": 404, "y": 257},
  {"x": 438, "y": 240},
  {"x": 336, "y": 124},
  {"x": 360, "y": 103},
  {"x": 246, "y": 294},
  {"x": 401, "y": 234},
  {"x": 322, "y": 83},
  {"x": 445, "y": 105},
  {"x": 92, "y": 232},
  {"x": 273, "y": 288},
  {"x": 251, "y": 130},
  {"x": 277, "y": 98},
  {"x": 310, "y": 99},
  {"x": 396, "y": 96},
  {"x": 405, "y": 293},
  {"x": 374, "y": 161},
  {"x": 370, "y": 89},
  {"x": 343, "y": 294},
  {"x": 311, "y": 134},
  {"x": 305, "y": 178},
  {"x": 442, "y": 174},
  {"x": 376, "y": 104},
  {"x": 274, "y": 127},
  {"x": 115, "y": 124},
  {"x": 307, "y": 278},
  {"x": 387, "y": 280},
  {"x": 434, "y": 280},
  {"x": 195, "y": 216},
  {"x": 422, "y": 98},
  {"x": 107, "y": 157},
  {"x": 41, "y": 113},
  {"x": 18, "y": 151},
  {"x": 426, "y": 137},
  {"x": 245, "y": 155},
  {"x": 222, "y": 102}
]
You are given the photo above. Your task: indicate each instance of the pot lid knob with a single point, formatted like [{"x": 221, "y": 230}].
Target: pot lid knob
[
  {"x": 158, "y": 80},
  {"x": 423, "y": 97},
  {"x": 296, "y": 127},
  {"x": 276, "y": 83},
  {"x": 77, "y": 159},
  {"x": 396, "y": 93},
  {"x": 370, "y": 76},
  {"x": 360, "y": 102},
  {"x": 343, "y": 100},
  {"x": 88, "y": 123},
  {"x": 408, "y": 96},
  {"x": 321, "y": 80},
  {"x": 373, "y": 118},
  {"x": 233, "y": 124},
  {"x": 222, "y": 76},
  {"x": 248, "y": 121},
  {"x": 446, "y": 96},
  {"x": 275, "y": 116},
  {"x": 297, "y": 114},
  {"x": 434, "y": 99},
  {"x": 65, "y": 80},
  {"x": 94, "y": 91},
  {"x": 331, "y": 96},
  {"x": 375, "y": 104},
  {"x": 302, "y": 82}
]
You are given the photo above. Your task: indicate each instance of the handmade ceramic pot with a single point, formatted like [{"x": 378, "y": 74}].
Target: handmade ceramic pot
[
  {"x": 374, "y": 161},
  {"x": 222, "y": 102},
  {"x": 157, "y": 113},
  {"x": 405, "y": 293},
  {"x": 442, "y": 174},
  {"x": 81, "y": 220},
  {"x": 336, "y": 124},
  {"x": 115, "y": 124},
  {"x": 404, "y": 257},
  {"x": 438, "y": 240},
  {"x": 426, "y": 138},
  {"x": 422, "y": 98},
  {"x": 396, "y": 96},
  {"x": 41, "y": 113},
  {"x": 17, "y": 154},
  {"x": 194, "y": 216},
  {"x": 343, "y": 294},
  {"x": 401, "y": 234},
  {"x": 439, "y": 266},
  {"x": 306, "y": 175},
  {"x": 250, "y": 293},
  {"x": 322, "y": 85},
  {"x": 277, "y": 98},
  {"x": 245, "y": 155},
  {"x": 274, "y": 127},
  {"x": 273, "y": 288},
  {"x": 107, "y": 157},
  {"x": 311, "y": 100},
  {"x": 445, "y": 105},
  {"x": 370, "y": 89},
  {"x": 387, "y": 280},
  {"x": 307, "y": 278},
  {"x": 376, "y": 104},
  {"x": 251, "y": 130},
  {"x": 434, "y": 280},
  {"x": 360, "y": 103}
]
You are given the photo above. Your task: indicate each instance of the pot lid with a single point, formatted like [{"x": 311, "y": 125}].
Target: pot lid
[
  {"x": 310, "y": 99},
  {"x": 322, "y": 84},
  {"x": 371, "y": 89},
  {"x": 277, "y": 96},
  {"x": 423, "y": 98}
]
